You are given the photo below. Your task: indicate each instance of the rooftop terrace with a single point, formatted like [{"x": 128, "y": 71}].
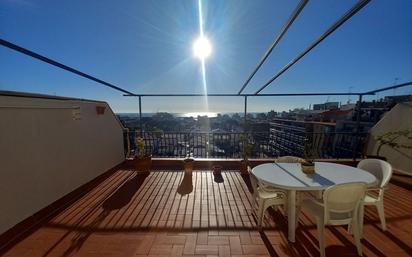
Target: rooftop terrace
[
  {"x": 61, "y": 196},
  {"x": 67, "y": 186},
  {"x": 125, "y": 213}
]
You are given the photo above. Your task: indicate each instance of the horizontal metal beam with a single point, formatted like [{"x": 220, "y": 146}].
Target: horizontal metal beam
[
  {"x": 285, "y": 27},
  {"x": 242, "y": 95},
  {"x": 59, "y": 65},
  {"x": 389, "y": 88},
  {"x": 358, "y": 6}
]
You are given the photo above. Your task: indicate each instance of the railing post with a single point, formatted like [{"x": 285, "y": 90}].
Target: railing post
[
  {"x": 357, "y": 136},
  {"x": 140, "y": 116},
  {"x": 244, "y": 117}
]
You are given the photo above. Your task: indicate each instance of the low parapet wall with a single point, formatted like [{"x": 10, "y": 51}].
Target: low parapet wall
[{"x": 49, "y": 147}]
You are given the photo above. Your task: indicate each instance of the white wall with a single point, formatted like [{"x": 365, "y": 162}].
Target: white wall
[
  {"x": 399, "y": 118},
  {"x": 45, "y": 153}
]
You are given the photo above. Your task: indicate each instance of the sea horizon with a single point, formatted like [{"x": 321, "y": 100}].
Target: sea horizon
[{"x": 184, "y": 115}]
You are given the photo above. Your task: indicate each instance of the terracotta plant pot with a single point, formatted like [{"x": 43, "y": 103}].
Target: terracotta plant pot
[
  {"x": 217, "y": 170},
  {"x": 244, "y": 167},
  {"x": 143, "y": 164},
  {"x": 217, "y": 174}
]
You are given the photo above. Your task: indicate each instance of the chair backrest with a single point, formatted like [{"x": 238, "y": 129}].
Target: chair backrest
[
  {"x": 343, "y": 198},
  {"x": 380, "y": 169},
  {"x": 289, "y": 159},
  {"x": 255, "y": 183}
]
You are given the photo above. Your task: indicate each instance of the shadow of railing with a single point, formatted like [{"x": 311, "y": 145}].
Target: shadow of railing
[
  {"x": 117, "y": 200},
  {"x": 172, "y": 201}
]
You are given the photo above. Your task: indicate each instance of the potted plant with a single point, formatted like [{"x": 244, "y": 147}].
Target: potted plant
[
  {"x": 308, "y": 166},
  {"x": 217, "y": 170},
  {"x": 246, "y": 151},
  {"x": 217, "y": 174},
  {"x": 143, "y": 161}
]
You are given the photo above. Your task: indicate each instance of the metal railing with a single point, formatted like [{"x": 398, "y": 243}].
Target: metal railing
[
  {"x": 265, "y": 144},
  {"x": 336, "y": 145}
]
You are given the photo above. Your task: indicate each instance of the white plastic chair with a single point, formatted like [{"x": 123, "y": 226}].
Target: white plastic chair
[
  {"x": 340, "y": 206},
  {"x": 383, "y": 173},
  {"x": 289, "y": 159},
  {"x": 294, "y": 159},
  {"x": 265, "y": 198}
]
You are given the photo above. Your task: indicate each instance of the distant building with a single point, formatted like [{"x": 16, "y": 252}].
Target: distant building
[
  {"x": 349, "y": 126},
  {"x": 259, "y": 127},
  {"x": 335, "y": 115},
  {"x": 287, "y": 137},
  {"x": 348, "y": 106},
  {"x": 326, "y": 106},
  {"x": 395, "y": 99}
]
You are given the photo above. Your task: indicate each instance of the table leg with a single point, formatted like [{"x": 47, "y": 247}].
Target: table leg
[{"x": 291, "y": 215}]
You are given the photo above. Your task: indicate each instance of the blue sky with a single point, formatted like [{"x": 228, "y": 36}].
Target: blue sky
[{"x": 146, "y": 47}]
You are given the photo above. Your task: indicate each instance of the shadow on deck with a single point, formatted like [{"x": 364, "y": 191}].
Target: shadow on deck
[{"x": 165, "y": 213}]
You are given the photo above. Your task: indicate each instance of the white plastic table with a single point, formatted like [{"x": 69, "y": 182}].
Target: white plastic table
[{"x": 289, "y": 177}]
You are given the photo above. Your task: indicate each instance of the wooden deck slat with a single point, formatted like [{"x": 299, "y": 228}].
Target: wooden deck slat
[{"x": 132, "y": 214}]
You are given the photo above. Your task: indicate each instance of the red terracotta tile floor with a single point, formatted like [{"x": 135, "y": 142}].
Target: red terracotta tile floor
[{"x": 164, "y": 214}]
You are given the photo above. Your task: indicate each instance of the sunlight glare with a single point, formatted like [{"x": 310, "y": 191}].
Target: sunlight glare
[{"x": 202, "y": 48}]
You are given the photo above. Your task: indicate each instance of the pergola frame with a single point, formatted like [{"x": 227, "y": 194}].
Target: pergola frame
[
  {"x": 277, "y": 39},
  {"x": 355, "y": 8}
]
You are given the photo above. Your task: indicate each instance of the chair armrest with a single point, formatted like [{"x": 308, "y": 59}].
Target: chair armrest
[
  {"x": 271, "y": 188},
  {"x": 275, "y": 191},
  {"x": 376, "y": 192},
  {"x": 375, "y": 189}
]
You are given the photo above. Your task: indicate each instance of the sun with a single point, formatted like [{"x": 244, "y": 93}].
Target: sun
[{"x": 202, "y": 48}]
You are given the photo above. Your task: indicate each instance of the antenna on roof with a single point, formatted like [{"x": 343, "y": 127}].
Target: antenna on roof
[
  {"x": 394, "y": 83},
  {"x": 349, "y": 91}
]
